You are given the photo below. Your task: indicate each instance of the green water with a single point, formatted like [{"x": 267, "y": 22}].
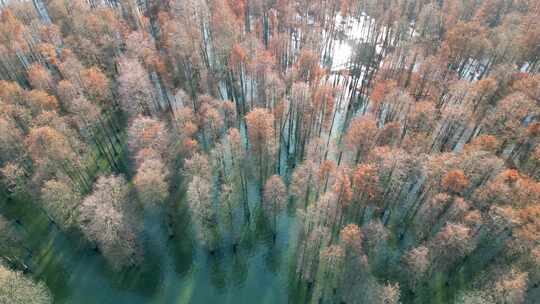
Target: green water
[{"x": 174, "y": 270}]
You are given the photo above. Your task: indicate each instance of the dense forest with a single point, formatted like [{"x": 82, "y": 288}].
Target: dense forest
[{"x": 270, "y": 151}]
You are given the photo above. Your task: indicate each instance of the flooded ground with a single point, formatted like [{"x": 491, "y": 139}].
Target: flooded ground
[{"x": 176, "y": 269}]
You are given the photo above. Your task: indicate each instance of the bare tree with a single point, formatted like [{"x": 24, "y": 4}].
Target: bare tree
[
  {"x": 274, "y": 200},
  {"x": 60, "y": 201},
  {"x": 200, "y": 195},
  {"x": 15, "y": 288},
  {"x": 151, "y": 182},
  {"x": 105, "y": 221}
]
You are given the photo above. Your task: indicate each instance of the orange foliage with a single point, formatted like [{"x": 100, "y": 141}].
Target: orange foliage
[
  {"x": 96, "y": 84},
  {"x": 238, "y": 7},
  {"x": 352, "y": 237},
  {"x": 484, "y": 142},
  {"x": 11, "y": 31},
  {"x": 529, "y": 85},
  {"x": 390, "y": 134},
  {"x": 381, "y": 89},
  {"x": 308, "y": 66},
  {"x": 366, "y": 180},
  {"x": 455, "y": 181},
  {"x": 529, "y": 230},
  {"x": 261, "y": 133},
  {"x": 48, "y": 51},
  {"x": 361, "y": 135},
  {"x": 39, "y": 101},
  {"x": 10, "y": 92},
  {"x": 238, "y": 56},
  {"x": 39, "y": 77},
  {"x": 509, "y": 188},
  {"x": 327, "y": 169},
  {"x": 342, "y": 187},
  {"x": 465, "y": 39},
  {"x": 323, "y": 99}
]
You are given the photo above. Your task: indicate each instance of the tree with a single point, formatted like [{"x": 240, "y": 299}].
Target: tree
[
  {"x": 212, "y": 123},
  {"x": 237, "y": 175},
  {"x": 508, "y": 188},
  {"x": 225, "y": 29},
  {"x": 308, "y": 68},
  {"x": 342, "y": 188},
  {"x": 355, "y": 272},
  {"x": 12, "y": 249},
  {"x": 505, "y": 121},
  {"x": 450, "y": 245},
  {"x": 140, "y": 45},
  {"x": 67, "y": 91},
  {"x": 151, "y": 182},
  {"x": 137, "y": 95},
  {"x": 308, "y": 252},
  {"x": 417, "y": 263},
  {"x": 14, "y": 45},
  {"x": 262, "y": 141},
  {"x": 198, "y": 165},
  {"x": 301, "y": 111},
  {"x": 15, "y": 288},
  {"x": 183, "y": 37},
  {"x": 184, "y": 130},
  {"x": 15, "y": 178},
  {"x": 199, "y": 196},
  {"x": 145, "y": 132},
  {"x": 422, "y": 116},
  {"x": 229, "y": 200},
  {"x": 360, "y": 137},
  {"x": 389, "y": 294},
  {"x": 511, "y": 287},
  {"x": 274, "y": 199},
  {"x": 351, "y": 238},
  {"x": 329, "y": 274},
  {"x": 52, "y": 152},
  {"x": 228, "y": 111},
  {"x": 11, "y": 140},
  {"x": 304, "y": 180},
  {"x": 508, "y": 286},
  {"x": 95, "y": 84},
  {"x": 60, "y": 201},
  {"x": 455, "y": 181},
  {"x": 40, "y": 78},
  {"x": 376, "y": 237},
  {"x": 431, "y": 213},
  {"x": 39, "y": 101},
  {"x": 459, "y": 47},
  {"x": 105, "y": 221},
  {"x": 365, "y": 185}
]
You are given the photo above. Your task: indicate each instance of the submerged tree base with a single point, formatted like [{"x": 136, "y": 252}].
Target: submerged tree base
[{"x": 189, "y": 151}]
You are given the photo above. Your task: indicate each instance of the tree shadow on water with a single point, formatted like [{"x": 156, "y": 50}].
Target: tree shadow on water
[
  {"x": 239, "y": 271},
  {"x": 218, "y": 276}
]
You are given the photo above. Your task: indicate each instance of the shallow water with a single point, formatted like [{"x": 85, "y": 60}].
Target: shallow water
[{"x": 174, "y": 270}]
